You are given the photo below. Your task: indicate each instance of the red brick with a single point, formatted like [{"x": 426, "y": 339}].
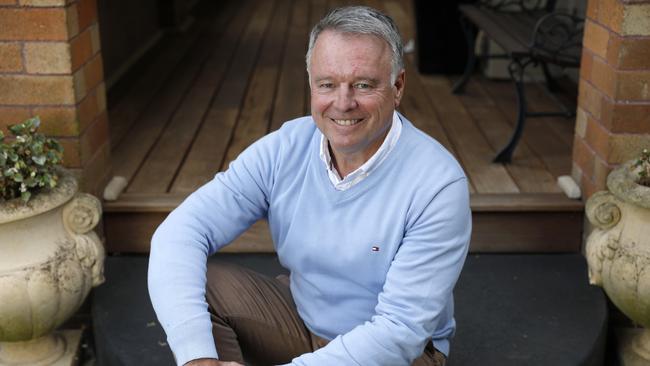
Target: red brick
[
  {"x": 590, "y": 99},
  {"x": 33, "y": 24},
  {"x": 95, "y": 38},
  {"x": 101, "y": 97},
  {"x": 596, "y": 38},
  {"x": 88, "y": 110},
  {"x": 576, "y": 172},
  {"x": 97, "y": 171},
  {"x": 581, "y": 123},
  {"x": 87, "y": 10},
  {"x": 598, "y": 138},
  {"x": 29, "y": 89},
  {"x": 633, "y": 85},
  {"x": 71, "y": 155},
  {"x": 58, "y": 121},
  {"x": 10, "y": 58},
  {"x": 586, "y": 64},
  {"x": 47, "y": 57},
  {"x": 81, "y": 49},
  {"x": 80, "y": 90},
  {"x": 44, "y": 3},
  {"x": 604, "y": 77},
  {"x": 611, "y": 14},
  {"x": 94, "y": 137},
  {"x": 601, "y": 170},
  {"x": 592, "y": 9},
  {"x": 94, "y": 72},
  {"x": 629, "y": 53},
  {"x": 635, "y": 20},
  {"x": 72, "y": 19},
  {"x": 13, "y": 115},
  {"x": 589, "y": 187},
  {"x": 623, "y": 147},
  {"x": 583, "y": 156},
  {"x": 626, "y": 117}
]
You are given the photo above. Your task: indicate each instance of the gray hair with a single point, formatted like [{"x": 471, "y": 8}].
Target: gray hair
[{"x": 361, "y": 20}]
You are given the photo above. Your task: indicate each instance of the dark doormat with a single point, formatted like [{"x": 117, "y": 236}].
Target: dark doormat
[{"x": 510, "y": 310}]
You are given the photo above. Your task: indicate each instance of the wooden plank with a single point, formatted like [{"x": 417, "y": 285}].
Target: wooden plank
[
  {"x": 255, "y": 113},
  {"x": 524, "y": 202},
  {"x": 159, "y": 169},
  {"x": 483, "y": 19},
  {"x": 527, "y": 169},
  {"x": 292, "y": 84},
  {"x": 555, "y": 154},
  {"x": 208, "y": 150},
  {"x": 501, "y": 223},
  {"x": 533, "y": 232},
  {"x": 129, "y": 232},
  {"x": 474, "y": 151},
  {"x": 144, "y": 202},
  {"x": 318, "y": 9},
  {"x": 130, "y": 105},
  {"x": 511, "y": 202},
  {"x": 417, "y": 108},
  {"x": 131, "y": 152},
  {"x": 540, "y": 101}
]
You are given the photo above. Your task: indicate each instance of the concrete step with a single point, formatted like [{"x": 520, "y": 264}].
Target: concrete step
[{"x": 510, "y": 310}]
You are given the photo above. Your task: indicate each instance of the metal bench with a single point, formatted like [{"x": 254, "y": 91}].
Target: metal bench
[{"x": 531, "y": 35}]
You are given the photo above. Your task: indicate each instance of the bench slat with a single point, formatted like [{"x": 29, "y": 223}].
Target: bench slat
[{"x": 494, "y": 30}]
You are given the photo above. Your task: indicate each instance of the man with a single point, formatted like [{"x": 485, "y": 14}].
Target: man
[{"x": 370, "y": 216}]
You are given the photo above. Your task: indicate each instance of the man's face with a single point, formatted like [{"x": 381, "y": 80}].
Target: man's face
[{"x": 352, "y": 97}]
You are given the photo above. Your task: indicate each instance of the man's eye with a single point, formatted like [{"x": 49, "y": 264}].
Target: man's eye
[
  {"x": 362, "y": 86},
  {"x": 326, "y": 85}
]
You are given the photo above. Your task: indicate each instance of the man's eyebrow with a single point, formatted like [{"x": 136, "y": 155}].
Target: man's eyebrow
[
  {"x": 318, "y": 80},
  {"x": 368, "y": 80}
]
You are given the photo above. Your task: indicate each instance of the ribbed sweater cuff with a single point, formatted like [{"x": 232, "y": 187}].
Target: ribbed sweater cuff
[{"x": 191, "y": 340}]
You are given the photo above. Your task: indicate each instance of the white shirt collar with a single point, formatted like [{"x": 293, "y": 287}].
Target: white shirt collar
[{"x": 369, "y": 166}]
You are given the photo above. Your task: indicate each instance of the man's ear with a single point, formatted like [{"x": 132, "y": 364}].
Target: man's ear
[{"x": 400, "y": 82}]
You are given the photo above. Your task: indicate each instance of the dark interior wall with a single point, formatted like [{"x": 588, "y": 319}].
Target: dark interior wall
[{"x": 126, "y": 27}]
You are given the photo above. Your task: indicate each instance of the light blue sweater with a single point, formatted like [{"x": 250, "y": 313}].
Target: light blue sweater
[{"x": 379, "y": 307}]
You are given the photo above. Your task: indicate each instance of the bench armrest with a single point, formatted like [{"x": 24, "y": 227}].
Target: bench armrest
[
  {"x": 516, "y": 5},
  {"x": 557, "y": 38}
]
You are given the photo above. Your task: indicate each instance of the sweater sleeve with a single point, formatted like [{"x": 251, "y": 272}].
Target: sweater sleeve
[
  {"x": 207, "y": 220},
  {"x": 417, "y": 292}
]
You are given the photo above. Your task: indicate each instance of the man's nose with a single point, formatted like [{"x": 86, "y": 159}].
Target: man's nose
[{"x": 345, "y": 100}]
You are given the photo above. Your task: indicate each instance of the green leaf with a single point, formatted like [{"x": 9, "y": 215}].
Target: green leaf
[
  {"x": 39, "y": 159},
  {"x": 25, "y": 196}
]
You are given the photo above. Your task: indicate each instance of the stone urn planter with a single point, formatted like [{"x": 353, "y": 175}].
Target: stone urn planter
[
  {"x": 49, "y": 260},
  {"x": 618, "y": 249}
]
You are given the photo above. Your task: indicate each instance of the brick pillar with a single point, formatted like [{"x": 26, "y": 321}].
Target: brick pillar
[
  {"x": 51, "y": 66},
  {"x": 613, "y": 116}
]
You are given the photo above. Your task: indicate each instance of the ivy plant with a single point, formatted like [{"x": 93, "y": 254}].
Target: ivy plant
[
  {"x": 28, "y": 161},
  {"x": 642, "y": 167}
]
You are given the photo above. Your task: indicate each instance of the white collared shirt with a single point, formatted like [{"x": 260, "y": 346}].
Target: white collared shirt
[{"x": 364, "y": 170}]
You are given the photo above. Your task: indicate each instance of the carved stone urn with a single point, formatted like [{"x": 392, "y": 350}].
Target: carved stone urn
[
  {"x": 618, "y": 249},
  {"x": 49, "y": 260}
]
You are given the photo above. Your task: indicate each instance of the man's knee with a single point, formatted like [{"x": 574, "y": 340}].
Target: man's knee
[{"x": 225, "y": 286}]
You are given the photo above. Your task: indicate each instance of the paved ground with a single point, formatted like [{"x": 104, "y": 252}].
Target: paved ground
[{"x": 510, "y": 310}]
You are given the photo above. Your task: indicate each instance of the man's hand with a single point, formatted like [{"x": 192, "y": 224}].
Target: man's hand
[{"x": 211, "y": 362}]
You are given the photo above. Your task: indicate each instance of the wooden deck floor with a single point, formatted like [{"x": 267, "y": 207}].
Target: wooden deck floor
[{"x": 238, "y": 73}]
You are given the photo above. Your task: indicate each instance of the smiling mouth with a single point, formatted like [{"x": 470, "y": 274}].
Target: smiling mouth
[{"x": 346, "y": 122}]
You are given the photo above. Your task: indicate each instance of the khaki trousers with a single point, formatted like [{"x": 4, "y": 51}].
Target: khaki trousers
[{"x": 254, "y": 318}]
